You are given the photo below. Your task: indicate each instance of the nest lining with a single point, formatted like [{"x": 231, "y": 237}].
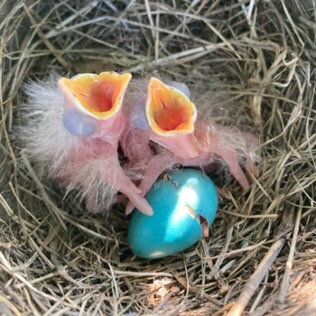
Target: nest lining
[{"x": 255, "y": 60}]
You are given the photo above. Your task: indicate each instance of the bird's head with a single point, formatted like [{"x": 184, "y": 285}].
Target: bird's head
[
  {"x": 171, "y": 117},
  {"x": 92, "y": 101}
]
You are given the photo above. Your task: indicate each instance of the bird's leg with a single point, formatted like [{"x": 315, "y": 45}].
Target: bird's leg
[
  {"x": 156, "y": 165},
  {"x": 226, "y": 151},
  {"x": 116, "y": 177},
  {"x": 95, "y": 169},
  {"x": 250, "y": 166},
  {"x": 250, "y": 140}
]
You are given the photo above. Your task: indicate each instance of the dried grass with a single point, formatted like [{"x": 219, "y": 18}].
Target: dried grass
[{"x": 56, "y": 259}]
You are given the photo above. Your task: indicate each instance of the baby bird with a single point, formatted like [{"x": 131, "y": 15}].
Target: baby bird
[
  {"x": 76, "y": 128},
  {"x": 179, "y": 138},
  {"x": 73, "y": 130}
]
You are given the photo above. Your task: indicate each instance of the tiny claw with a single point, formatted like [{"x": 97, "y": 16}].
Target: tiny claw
[
  {"x": 142, "y": 205},
  {"x": 129, "y": 208},
  {"x": 251, "y": 167},
  {"x": 226, "y": 151},
  {"x": 222, "y": 193},
  {"x": 156, "y": 165}
]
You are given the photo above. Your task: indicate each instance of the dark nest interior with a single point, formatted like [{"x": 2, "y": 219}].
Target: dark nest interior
[{"x": 260, "y": 256}]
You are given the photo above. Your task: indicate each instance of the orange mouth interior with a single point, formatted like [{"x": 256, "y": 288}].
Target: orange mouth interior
[
  {"x": 101, "y": 95},
  {"x": 168, "y": 109}
]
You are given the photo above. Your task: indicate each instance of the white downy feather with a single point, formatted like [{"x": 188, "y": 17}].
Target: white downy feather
[{"x": 49, "y": 144}]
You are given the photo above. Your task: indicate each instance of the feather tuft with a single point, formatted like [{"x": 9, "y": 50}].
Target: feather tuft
[
  {"x": 43, "y": 134},
  {"x": 52, "y": 147}
]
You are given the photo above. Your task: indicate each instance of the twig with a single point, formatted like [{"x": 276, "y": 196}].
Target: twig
[
  {"x": 166, "y": 60},
  {"x": 288, "y": 267},
  {"x": 150, "y": 18},
  {"x": 251, "y": 216},
  {"x": 48, "y": 44},
  {"x": 8, "y": 304},
  {"x": 5, "y": 266},
  {"x": 236, "y": 251},
  {"x": 83, "y": 11},
  {"x": 255, "y": 280},
  {"x": 195, "y": 290},
  {"x": 221, "y": 257},
  {"x": 48, "y": 202}
]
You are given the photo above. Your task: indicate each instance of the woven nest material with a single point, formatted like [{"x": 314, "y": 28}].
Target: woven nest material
[{"x": 260, "y": 258}]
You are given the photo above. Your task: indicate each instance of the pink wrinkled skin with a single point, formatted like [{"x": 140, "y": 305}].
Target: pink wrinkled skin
[
  {"x": 124, "y": 154},
  {"x": 208, "y": 151},
  {"x": 210, "y": 146}
]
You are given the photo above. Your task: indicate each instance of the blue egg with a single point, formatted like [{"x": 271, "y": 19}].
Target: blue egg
[
  {"x": 178, "y": 200},
  {"x": 78, "y": 123}
]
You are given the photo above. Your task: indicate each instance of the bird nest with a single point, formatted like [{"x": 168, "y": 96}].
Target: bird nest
[{"x": 257, "y": 58}]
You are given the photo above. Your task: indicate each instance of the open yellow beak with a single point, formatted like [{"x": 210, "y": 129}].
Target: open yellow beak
[
  {"x": 169, "y": 111},
  {"x": 99, "y": 96}
]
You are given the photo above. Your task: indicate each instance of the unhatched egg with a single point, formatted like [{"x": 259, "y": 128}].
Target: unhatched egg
[{"x": 181, "y": 202}]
